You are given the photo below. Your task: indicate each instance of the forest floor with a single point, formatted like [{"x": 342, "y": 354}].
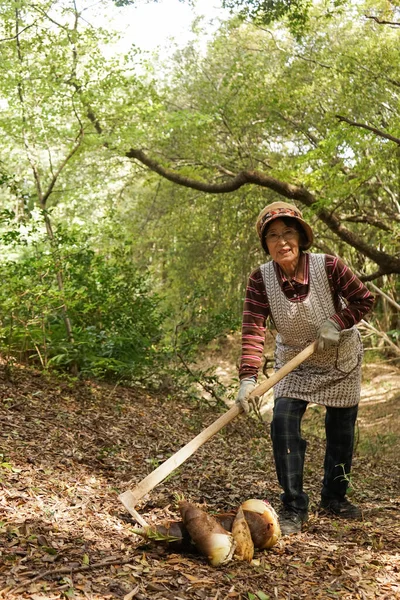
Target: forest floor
[{"x": 68, "y": 448}]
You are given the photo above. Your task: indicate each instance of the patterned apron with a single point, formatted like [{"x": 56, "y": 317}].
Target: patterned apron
[{"x": 331, "y": 377}]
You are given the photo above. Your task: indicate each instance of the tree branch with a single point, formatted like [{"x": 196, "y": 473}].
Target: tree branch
[
  {"x": 297, "y": 125},
  {"x": 367, "y": 219},
  {"x": 206, "y": 387},
  {"x": 387, "y": 263},
  {"x": 382, "y": 335},
  {"x": 372, "y": 276},
  {"x": 378, "y": 132},
  {"x": 14, "y": 37},
  {"x": 20, "y": 89},
  {"x": 382, "y": 293},
  {"x": 62, "y": 165},
  {"x": 43, "y": 197},
  {"x": 381, "y": 21},
  {"x": 73, "y": 568}
]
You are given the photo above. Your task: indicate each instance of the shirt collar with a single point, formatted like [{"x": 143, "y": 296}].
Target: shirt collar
[{"x": 304, "y": 272}]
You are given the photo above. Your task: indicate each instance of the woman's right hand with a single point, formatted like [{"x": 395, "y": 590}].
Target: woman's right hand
[{"x": 247, "y": 385}]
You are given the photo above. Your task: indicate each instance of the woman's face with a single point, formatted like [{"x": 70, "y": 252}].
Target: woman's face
[{"x": 283, "y": 244}]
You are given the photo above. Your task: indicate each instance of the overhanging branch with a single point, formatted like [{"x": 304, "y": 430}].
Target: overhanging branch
[
  {"x": 231, "y": 185},
  {"x": 382, "y": 21},
  {"x": 386, "y": 262},
  {"x": 377, "y": 132}
]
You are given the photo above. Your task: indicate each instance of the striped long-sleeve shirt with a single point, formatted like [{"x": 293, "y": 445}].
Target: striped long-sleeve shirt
[{"x": 343, "y": 283}]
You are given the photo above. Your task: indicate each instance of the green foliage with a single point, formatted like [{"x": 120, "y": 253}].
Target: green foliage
[
  {"x": 377, "y": 445},
  {"x": 116, "y": 318},
  {"x": 188, "y": 332},
  {"x": 263, "y": 100},
  {"x": 260, "y": 595},
  {"x": 4, "y": 464},
  {"x": 265, "y": 12},
  {"x": 145, "y": 270},
  {"x": 198, "y": 325},
  {"x": 130, "y": 2}
]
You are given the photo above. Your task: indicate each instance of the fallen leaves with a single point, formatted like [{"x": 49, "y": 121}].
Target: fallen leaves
[{"x": 71, "y": 452}]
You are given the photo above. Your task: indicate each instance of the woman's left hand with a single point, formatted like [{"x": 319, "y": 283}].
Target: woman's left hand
[{"x": 328, "y": 335}]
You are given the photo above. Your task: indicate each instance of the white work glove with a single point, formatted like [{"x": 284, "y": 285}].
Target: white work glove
[
  {"x": 247, "y": 385},
  {"x": 328, "y": 335}
]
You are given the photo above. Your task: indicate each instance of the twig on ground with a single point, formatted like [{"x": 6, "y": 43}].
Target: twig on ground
[
  {"x": 206, "y": 387},
  {"x": 71, "y": 569}
]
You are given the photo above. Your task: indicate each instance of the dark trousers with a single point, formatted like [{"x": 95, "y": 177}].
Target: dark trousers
[{"x": 290, "y": 448}]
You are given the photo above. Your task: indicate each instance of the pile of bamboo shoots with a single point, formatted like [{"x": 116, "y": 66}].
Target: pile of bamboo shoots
[{"x": 220, "y": 537}]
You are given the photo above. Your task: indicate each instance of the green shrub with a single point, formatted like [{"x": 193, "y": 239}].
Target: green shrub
[{"x": 116, "y": 319}]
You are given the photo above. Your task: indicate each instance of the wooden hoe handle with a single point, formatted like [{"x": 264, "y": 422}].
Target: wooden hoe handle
[{"x": 131, "y": 497}]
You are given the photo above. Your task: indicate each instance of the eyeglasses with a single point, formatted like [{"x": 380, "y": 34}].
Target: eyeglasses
[{"x": 287, "y": 235}]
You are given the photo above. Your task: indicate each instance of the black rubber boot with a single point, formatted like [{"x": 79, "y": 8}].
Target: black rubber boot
[
  {"x": 340, "y": 508},
  {"x": 291, "y": 520}
]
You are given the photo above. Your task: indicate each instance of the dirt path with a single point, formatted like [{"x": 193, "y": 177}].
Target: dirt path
[{"x": 68, "y": 449}]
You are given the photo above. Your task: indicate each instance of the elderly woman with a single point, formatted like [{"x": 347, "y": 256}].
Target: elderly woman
[{"x": 307, "y": 296}]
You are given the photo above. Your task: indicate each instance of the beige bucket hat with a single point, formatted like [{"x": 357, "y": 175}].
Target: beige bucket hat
[{"x": 277, "y": 210}]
